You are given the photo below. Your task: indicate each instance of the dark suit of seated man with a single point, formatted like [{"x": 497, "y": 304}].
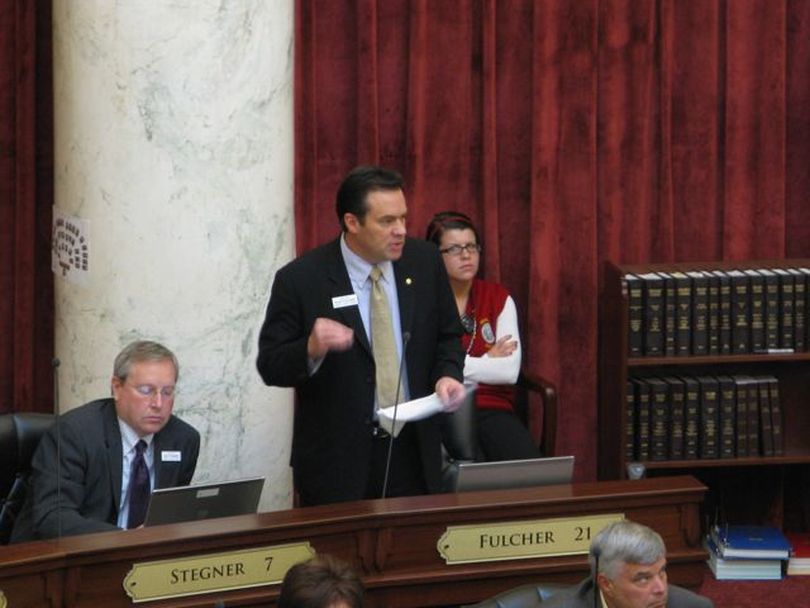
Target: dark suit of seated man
[
  {"x": 113, "y": 452},
  {"x": 630, "y": 563}
]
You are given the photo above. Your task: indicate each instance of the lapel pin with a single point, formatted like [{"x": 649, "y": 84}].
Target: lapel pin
[{"x": 408, "y": 281}]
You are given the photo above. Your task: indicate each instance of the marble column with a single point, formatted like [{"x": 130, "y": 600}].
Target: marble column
[{"x": 174, "y": 144}]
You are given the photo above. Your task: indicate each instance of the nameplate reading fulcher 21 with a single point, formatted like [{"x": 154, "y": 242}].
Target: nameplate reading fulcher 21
[
  {"x": 218, "y": 572},
  {"x": 521, "y": 539}
]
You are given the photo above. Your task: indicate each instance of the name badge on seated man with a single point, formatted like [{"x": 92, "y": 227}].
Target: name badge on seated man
[{"x": 171, "y": 456}]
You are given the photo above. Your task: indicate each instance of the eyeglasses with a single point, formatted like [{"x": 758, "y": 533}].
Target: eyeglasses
[
  {"x": 147, "y": 390},
  {"x": 470, "y": 248}
]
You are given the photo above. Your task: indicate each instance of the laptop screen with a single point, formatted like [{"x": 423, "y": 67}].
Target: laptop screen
[
  {"x": 204, "y": 501},
  {"x": 509, "y": 474}
]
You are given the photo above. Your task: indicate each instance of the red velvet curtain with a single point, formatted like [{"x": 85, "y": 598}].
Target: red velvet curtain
[
  {"x": 573, "y": 131},
  {"x": 26, "y": 199}
]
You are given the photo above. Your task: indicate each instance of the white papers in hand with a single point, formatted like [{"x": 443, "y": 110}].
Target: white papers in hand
[{"x": 416, "y": 409}]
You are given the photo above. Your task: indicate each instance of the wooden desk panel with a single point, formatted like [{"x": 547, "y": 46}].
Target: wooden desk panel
[{"x": 391, "y": 542}]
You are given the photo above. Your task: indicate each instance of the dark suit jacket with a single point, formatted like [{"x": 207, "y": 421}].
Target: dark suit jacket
[
  {"x": 333, "y": 418},
  {"x": 581, "y": 596},
  {"x": 91, "y": 470}
]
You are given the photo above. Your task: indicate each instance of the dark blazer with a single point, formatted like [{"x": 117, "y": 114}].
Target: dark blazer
[
  {"x": 581, "y": 596},
  {"x": 91, "y": 470},
  {"x": 333, "y": 418}
]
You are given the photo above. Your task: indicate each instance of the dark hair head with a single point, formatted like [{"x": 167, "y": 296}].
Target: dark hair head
[
  {"x": 321, "y": 582},
  {"x": 352, "y": 193},
  {"x": 449, "y": 220}
]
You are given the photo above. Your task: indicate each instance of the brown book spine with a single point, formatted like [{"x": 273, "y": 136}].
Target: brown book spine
[
  {"x": 799, "y": 294},
  {"x": 659, "y": 419},
  {"x": 653, "y": 294},
  {"x": 691, "y": 429},
  {"x": 740, "y": 323},
  {"x": 676, "y": 397},
  {"x": 635, "y": 312},
  {"x": 709, "y": 410},
  {"x": 756, "y": 290},
  {"x": 642, "y": 418},
  {"x": 670, "y": 324},
  {"x": 776, "y": 417},
  {"x": 630, "y": 423},
  {"x": 683, "y": 314},
  {"x": 741, "y": 415},
  {"x": 771, "y": 288},
  {"x": 727, "y": 413},
  {"x": 714, "y": 313},
  {"x": 786, "y": 307},
  {"x": 753, "y": 418},
  {"x": 700, "y": 312},
  {"x": 765, "y": 427}
]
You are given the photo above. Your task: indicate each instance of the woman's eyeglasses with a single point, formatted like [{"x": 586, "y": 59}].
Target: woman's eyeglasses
[{"x": 469, "y": 248}]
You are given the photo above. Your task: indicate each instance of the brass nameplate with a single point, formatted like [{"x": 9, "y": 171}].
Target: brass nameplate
[
  {"x": 521, "y": 539},
  {"x": 3, "y": 600},
  {"x": 213, "y": 573}
]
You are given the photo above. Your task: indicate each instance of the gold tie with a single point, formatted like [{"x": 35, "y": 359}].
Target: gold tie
[{"x": 382, "y": 342}]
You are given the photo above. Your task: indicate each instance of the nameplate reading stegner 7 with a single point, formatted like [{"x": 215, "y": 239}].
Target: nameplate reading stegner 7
[
  {"x": 213, "y": 573},
  {"x": 521, "y": 539}
]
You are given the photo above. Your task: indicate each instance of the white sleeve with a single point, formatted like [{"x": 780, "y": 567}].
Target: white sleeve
[{"x": 498, "y": 370}]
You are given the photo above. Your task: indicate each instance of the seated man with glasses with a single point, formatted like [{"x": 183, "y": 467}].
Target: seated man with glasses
[{"x": 95, "y": 468}]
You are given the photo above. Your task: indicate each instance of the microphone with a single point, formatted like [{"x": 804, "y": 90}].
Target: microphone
[
  {"x": 55, "y": 363},
  {"x": 596, "y": 551},
  {"x": 405, "y": 337}
]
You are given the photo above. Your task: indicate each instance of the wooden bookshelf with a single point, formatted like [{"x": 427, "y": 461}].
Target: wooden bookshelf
[{"x": 747, "y": 489}]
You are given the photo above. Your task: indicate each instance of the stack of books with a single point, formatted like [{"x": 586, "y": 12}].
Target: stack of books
[
  {"x": 799, "y": 562},
  {"x": 747, "y": 552}
]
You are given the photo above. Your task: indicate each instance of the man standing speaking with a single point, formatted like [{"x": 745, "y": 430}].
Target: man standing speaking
[{"x": 344, "y": 324}]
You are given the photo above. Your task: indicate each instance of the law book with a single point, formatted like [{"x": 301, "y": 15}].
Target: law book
[
  {"x": 753, "y": 418},
  {"x": 756, "y": 305},
  {"x": 724, "y": 312},
  {"x": 714, "y": 312},
  {"x": 765, "y": 428},
  {"x": 727, "y": 412},
  {"x": 741, "y": 414},
  {"x": 740, "y": 569},
  {"x": 709, "y": 417},
  {"x": 635, "y": 313},
  {"x": 630, "y": 423},
  {"x": 786, "y": 307},
  {"x": 799, "y": 561},
  {"x": 676, "y": 398},
  {"x": 700, "y": 312},
  {"x": 799, "y": 310},
  {"x": 653, "y": 302},
  {"x": 642, "y": 439},
  {"x": 771, "y": 285},
  {"x": 691, "y": 428},
  {"x": 806, "y": 274},
  {"x": 740, "y": 324},
  {"x": 683, "y": 314},
  {"x": 750, "y": 542},
  {"x": 776, "y": 416},
  {"x": 669, "y": 313},
  {"x": 659, "y": 419}
]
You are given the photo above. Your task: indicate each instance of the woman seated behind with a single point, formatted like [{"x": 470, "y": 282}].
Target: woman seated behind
[{"x": 491, "y": 339}]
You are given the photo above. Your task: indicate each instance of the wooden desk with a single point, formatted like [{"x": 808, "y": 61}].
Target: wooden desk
[{"x": 391, "y": 542}]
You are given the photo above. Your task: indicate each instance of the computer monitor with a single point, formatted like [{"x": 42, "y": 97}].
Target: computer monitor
[
  {"x": 204, "y": 501},
  {"x": 509, "y": 474}
]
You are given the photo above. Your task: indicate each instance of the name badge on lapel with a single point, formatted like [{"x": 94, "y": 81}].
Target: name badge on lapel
[
  {"x": 171, "y": 456},
  {"x": 344, "y": 301}
]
